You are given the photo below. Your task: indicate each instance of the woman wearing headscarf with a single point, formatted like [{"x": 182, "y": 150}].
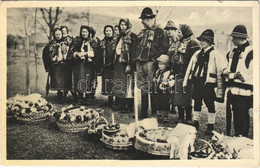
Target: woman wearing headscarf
[
  {"x": 182, "y": 96},
  {"x": 56, "y": 64},
  {"x": 123, "y": 83},
  {"x": 67, "y": 40},
  {"x": 116, "y": 31},
  {"x": 107, "y": 46},
  {"x": 65, "y": 35},
  {"x": 82, "y": 56}
]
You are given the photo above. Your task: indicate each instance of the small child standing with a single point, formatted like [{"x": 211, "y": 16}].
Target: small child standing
[{"x": 163, "y": 82}]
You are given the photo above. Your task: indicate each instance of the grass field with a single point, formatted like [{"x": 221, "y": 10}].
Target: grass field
[{"x": 46, "y": 141}]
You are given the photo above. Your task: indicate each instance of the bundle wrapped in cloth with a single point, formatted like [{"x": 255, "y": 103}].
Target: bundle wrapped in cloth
[{"x": 181, "y": 139}]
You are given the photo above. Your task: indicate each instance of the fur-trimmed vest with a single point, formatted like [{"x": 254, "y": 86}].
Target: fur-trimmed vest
[
  {"x": 245, "y": 67},
  {"x": 215, "y": 67}
]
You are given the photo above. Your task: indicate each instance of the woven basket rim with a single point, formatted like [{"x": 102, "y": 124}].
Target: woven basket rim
[
  {"x": 150, "y": 142},
  {"x": 118, "y": 145},
  {"x": 36, "y": 115}
]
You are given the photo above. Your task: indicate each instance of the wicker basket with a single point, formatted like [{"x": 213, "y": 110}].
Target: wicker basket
[
  {"x": 154, "y": 148},
  {"x": 92, "y": 132},
  {"x": 66, "y": 126},
  {"x": 206, "y": 145},
  {"x": 33, "y": 118},
  {"x": 111, "y": 142}
]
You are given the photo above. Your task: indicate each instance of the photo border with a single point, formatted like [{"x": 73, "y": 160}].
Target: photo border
[{"x": 127, "y": 163}]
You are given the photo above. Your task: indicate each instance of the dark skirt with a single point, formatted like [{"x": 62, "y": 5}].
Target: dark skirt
[
  {"x": 107, "y": 80},
  {"x": 61, "y": 76},
  {"x": 84, "y": 77},
  {"x": 123, "y": 84},
  {"x": 179, "y": 97}
]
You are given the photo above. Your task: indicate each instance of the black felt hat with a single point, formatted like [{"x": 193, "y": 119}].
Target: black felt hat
[
  {"x": 207, "y": 35},
  {"x": 147, "y": 13}
]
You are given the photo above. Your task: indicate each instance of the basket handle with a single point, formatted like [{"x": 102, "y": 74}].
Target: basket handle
[
  {"x": 212, "y": 150},
  {"x": 99, "y": 119}
]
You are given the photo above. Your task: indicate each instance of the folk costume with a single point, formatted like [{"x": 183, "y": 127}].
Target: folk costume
[
  {"x": 152, "y": 43},
  {"x": 181, "y": 53},
  {"x": 164, "y": 82},
  {"x": 56, "y": 64},
  {"x": 204, "y": 72},
  {"x": 240, "y": 81},
  {"x": 108, "y": 46},
  {"x": 82, "y": 55},
  {"x": 123, "y": 76}
]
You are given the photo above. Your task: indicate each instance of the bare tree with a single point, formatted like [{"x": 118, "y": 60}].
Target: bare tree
[
  {"x": 51, "y": 17},
  {"x": 27, "y": 52},
  {"x": 35, "y": 52}
]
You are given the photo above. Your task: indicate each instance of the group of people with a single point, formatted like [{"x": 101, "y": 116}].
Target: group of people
[{"x": 171, "y": 66}]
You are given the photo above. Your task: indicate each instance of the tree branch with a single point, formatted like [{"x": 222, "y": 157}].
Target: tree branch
[
  {"x": 57, "y": 15},
  {"x": 50, "y": 17},
  {"x": 44, "y": 17},
  {"x": 43, "y": 28}
]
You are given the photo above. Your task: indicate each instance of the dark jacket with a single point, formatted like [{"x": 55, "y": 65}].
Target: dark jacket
[
  {"x": 152, "y": 43},
  {"x": 131, "y": 46},
  {"x": 48, "y": 52},
  {"x": 76, "y": 47},
  {"x": 192, "y": 47}
]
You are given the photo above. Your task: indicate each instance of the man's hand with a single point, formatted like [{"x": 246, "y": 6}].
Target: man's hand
[
  {"x": 239, "y": 76},
  {"x": 236, "y": 75}
]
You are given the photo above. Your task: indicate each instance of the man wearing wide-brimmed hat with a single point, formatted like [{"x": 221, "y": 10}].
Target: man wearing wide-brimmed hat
[
  {"x": 240, "y": 78},
  {"x": 204, "y": 72},
  {"x": 152, "y": 44}
]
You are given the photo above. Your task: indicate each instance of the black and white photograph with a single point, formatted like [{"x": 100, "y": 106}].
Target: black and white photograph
[{"x": 130, "y": 81}]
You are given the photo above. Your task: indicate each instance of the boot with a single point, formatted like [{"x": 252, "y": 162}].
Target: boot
[
  {"x": 173, "y": 109},
  {"x": 181, "y": 114},
  {"x": 209, "y": 129},
  {"x": 211, "y": 122},
  {"x": 188, "y": 115},
  {"x": 110, "y": 102},
  {"x": 144, "y": 106},
  {"x": 196, "y": 124},
  {"x": 60, "y": 95},
  {"x": 159, "y": 115},
  {"x": 153, "y": 104},
  {"x": 165, "y": 116},
  {"x": 196, "y": 118},
  {"x": 74, "y": 95}
]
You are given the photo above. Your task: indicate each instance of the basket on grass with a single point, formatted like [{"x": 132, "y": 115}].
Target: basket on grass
[
  {"x": 29, "y": 109},
  {"x": 33, "y": 118},
  {"x": 76, "y": 118},
  {"x": 117, "y": 140},
  {"x": 173, "y": 142},
  {"x": 115, "y": 136},
  {"x": 153, "y": 141}
]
